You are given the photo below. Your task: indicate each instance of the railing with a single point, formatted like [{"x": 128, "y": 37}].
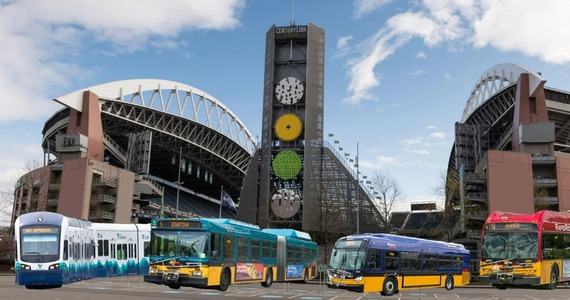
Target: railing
[
  {"x": 107, "y": 182},
  {"x": 103, "y": 198},
  {"x": 101, "y": 215}
]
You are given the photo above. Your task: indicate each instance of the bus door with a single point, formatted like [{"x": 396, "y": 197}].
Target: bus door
[{"x": 373, "y": 261}]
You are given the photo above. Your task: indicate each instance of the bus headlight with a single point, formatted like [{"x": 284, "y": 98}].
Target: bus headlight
[
  {"x": 25, "y": 267},
  {"x": 197, "y": 273},
  {"x": 359, "y": 278},
  {"x": 152, "y": 271},
  {"x": 54, "y": 267}
]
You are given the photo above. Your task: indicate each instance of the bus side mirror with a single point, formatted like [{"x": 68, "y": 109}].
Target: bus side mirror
[{"x": 215, "y": 255}]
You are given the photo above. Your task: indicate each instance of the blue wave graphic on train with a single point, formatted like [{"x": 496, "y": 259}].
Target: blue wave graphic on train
[{"x": 52, "y": 249}]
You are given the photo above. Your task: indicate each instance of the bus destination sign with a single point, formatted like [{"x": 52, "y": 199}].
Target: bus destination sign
[
  {"x": 40, "y": 230},
  {"x": 511, "y": 226},
  {"x": 179, "y": 224}
]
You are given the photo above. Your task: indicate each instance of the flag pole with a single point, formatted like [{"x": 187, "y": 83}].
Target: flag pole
[{"x": 221, "y": 200}]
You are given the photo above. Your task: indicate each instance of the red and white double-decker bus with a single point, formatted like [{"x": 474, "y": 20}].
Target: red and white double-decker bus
[{"x": 525, "y": 249}]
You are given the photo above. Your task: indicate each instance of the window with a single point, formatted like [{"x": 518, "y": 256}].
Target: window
[
  {"x": 429, "y": 262},
  {"x": 242, "y": 249},
  {"x": 65, "y": 252},
  {"x": 457, "y": 262},
  {"x": 409, "y": 261},
  {"x": 444, "y": 262},
  {"x": 265, "y": 249},
  {"x": 391, "y": 260},
  {"x": 215, "y": 246},
  {"x": 146, "y": 249},
  {"x": 290, "y": 255},
  {"x": 229, "y": 248},
  {"x": 254, "y": 250},
  {"x": 374, "y": 259},
  {"x": 106, "y": 247}
]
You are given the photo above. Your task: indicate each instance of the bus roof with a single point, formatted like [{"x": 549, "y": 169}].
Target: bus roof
[
  {"x": 545, "y": 219},
  {"x": 289, "y": 233},
  {"x": 232, "y": 222},
  {"x": 405, "y": 243}
]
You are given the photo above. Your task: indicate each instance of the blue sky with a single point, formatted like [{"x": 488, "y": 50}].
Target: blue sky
[{"x": 397, "y": 73}]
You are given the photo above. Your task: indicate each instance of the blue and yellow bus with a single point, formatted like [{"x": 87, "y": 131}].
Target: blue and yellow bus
[
  {"x": 220, "y": 252},
  {"x": 389, "y": 263}
]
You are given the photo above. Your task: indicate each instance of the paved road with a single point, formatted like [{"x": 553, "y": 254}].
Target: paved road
[{"x": 134, "y": 288}]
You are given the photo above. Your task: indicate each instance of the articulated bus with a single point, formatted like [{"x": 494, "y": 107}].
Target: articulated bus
[
  {"x": 387, "y": 263},
  {"x": 51, "y": 249},
  {"x": 525, "y": 249},
  {"x": 220, "y": 252}
]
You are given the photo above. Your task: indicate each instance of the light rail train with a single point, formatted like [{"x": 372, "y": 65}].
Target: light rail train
[{"x": 51, "y": 249}]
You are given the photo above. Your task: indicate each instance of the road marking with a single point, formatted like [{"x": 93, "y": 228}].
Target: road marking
[{"x": 271, "y": 296}]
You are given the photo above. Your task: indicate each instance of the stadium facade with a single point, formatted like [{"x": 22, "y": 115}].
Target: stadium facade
[
  {"x": 511, "y": 150},
  {"x": 128, "y": 151}
]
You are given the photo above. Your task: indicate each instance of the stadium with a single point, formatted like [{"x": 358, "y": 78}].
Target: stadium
[{"x": 120, "y": 146}]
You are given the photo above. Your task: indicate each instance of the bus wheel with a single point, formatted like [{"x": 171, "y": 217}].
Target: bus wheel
[
  {"x": 449, "y": 283},
  {"x": 553, "y": 279},
  {"x": 268, "y": 278},
  {"x": 174, "y": 286},
  {"x": 390, "y": 286},
  {"x": 225, "y": 280}
]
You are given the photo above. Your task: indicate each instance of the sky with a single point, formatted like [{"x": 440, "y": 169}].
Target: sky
[{"x": 397, "y": 73}]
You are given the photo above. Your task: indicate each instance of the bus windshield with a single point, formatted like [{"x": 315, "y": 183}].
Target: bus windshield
[
  {"x": 348, "y": 255},
  {"x": 509, "y": 245},
  {"x": 40, "y": 244},
  {"x": 185, "y": 244}
]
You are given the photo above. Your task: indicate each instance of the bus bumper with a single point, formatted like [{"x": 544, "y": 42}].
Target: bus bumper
[
  {"x": 168, "y": 279},
  {"x": 509, "y": 279},
  {"x": 39, "y": 278}
]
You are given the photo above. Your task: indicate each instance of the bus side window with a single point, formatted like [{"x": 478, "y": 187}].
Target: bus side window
[
  {"x": 255, "y": 250},
  {"x": 229, "y": 248},
  {"x": 215, "y": 241},
  {"x": 429, "y": 262},
  {"x": 391, "y": 260},
  {"x": 373, "y": 260}
]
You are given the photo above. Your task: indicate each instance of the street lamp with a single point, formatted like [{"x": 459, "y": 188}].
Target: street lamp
[
  {"x": 178, "y": 182},
  {"x": 357, "y": 196}
]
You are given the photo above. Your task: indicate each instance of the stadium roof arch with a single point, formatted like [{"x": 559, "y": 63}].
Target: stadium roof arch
[
  {"x": 487, "y": 120},
  {"x": 496, "y": 79},
  {"x": 178, "y": 115}
]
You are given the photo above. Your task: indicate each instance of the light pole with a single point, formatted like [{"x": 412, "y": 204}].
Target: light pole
[
  {"x": 178, "y": 182},
  {"x": 357, "y": 198}
]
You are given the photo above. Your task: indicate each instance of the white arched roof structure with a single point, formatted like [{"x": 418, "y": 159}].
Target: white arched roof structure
[
  {"x": 496, "y": 79},
  {"x": 170, "y": 97}
]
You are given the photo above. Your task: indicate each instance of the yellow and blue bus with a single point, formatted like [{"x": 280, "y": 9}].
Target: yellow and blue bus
[
  {"x": 389, "y": 263},
  {"x": 221, "y": 252}
]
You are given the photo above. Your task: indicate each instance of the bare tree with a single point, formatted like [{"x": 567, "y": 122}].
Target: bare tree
[
  {"x": 448, "y": 188},
  {"x": 389, "y": 192}
]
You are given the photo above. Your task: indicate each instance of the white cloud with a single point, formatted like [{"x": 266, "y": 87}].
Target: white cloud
[
  {"x": 364, "y": 7},
  {"x": 438, "y": 135},
  {"x": 431, "y": 126},
  {"x": 505, "y": 25},
  {"x": 342, "y": 46},
  {"x": 417, "y": 151},
  {"x": 530, "y": 27},
  {"x": 41, "y": 38},
  {"x": 421, "y": 55},
  {"x": 380, "y": 163}
]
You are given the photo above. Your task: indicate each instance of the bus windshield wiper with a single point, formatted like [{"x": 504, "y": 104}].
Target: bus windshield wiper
[{"x": 35, "y": 253}]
